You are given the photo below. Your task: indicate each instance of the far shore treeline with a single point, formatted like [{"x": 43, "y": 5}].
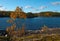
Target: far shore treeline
[{"x": 32, "y": 15}]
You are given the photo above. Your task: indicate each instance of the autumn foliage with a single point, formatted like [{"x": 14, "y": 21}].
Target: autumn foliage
[{"x": 12, "y": 30}]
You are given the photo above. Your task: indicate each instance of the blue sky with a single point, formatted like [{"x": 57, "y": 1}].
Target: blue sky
[{"x": 31, "y": 5}]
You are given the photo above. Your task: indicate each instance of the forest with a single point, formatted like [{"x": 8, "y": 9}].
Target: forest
[{"x": 32, "y": 15}]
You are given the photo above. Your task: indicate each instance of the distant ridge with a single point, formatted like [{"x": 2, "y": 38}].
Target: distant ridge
[{"x": 30, "y": 14}]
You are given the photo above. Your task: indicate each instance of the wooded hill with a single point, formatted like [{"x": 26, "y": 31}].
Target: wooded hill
[{"x": 32, "y": 15}]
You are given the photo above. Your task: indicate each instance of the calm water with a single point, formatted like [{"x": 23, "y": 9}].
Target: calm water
[{"x": 32, "y": 23}]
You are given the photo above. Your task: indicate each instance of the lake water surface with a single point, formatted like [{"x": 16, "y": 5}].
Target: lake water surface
[{"x": 32, "y": 23}]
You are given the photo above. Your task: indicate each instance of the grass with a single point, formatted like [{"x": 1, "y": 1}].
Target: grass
[
  {"x": 41, "y": 38},
  {"x": 33, "y": 37},
  {"x": 3, "y": 38}
]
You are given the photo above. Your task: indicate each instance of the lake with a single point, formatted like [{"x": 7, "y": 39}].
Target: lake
[{"x": 32, "y": 23}]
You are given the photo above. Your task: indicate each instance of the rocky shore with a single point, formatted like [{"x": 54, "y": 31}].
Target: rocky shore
[{"x": 44, "y": 34}]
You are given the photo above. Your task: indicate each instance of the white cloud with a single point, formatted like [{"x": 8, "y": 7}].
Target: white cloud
[
  {"x": 2, "y": 8},
  {"x": 42, "y": 7},
  {"x": 1, "y": 5},
  {"x": 35, "y": 9},
  {"x": 28, "y": 6},
  {"x": 55, "y": 3}
]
